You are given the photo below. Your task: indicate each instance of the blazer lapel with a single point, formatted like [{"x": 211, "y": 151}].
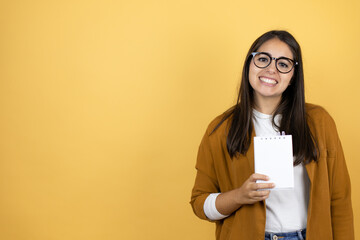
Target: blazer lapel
[
  {"x": 250, "y": 152},
  {"x": 310, "y": 168},
  {"x": 243, "y": 165}
]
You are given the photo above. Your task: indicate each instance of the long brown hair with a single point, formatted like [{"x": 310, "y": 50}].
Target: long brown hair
[{"x": 291, "y": 107}]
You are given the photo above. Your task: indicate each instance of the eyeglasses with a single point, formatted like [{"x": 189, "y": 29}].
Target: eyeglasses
[{"x": 264, "y": 59}]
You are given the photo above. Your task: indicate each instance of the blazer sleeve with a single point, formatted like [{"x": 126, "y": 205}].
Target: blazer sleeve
[
  {"x": 340, "y": 190},
  {"x": 206, "y": 180}
]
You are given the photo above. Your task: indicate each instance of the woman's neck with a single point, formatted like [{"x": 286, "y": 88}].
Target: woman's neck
[{"x": 266, "y": 106}]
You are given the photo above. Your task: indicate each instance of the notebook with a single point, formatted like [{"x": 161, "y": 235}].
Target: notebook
[{"x": 274, "y": 158}]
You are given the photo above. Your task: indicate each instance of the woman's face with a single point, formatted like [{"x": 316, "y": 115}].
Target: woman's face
[{"x": 268, "y": 83}]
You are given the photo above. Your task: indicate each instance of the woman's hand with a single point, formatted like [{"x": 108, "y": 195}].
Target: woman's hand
[{"x": 249, "y": 193}]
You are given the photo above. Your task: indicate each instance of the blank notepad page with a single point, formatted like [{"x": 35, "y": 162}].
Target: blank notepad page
[{"x": 274, "y": 158}]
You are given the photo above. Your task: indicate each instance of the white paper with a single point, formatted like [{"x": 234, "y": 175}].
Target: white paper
[{"x": 274, "y": 158}]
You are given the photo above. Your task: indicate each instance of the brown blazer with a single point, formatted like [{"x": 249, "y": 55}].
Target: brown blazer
[{"x": 330, "y": 211}]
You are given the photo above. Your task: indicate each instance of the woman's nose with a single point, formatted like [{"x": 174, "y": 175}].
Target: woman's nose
[{"x": 272, "y": 66}]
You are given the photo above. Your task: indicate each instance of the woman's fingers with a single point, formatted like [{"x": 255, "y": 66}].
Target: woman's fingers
[
  {"x": 260, "y": 194},
  {"x": 260, "y": 186},
  {"x": 257, "y": 176}
]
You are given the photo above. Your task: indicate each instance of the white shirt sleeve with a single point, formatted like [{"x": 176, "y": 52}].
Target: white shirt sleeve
[{"x": 210, "y": 208}]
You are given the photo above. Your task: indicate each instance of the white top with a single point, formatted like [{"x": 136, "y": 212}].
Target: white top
[{"x": 286, "y": 209}]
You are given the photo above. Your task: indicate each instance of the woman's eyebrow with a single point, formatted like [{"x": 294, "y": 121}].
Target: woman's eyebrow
[{"x": 277, "y": 57}]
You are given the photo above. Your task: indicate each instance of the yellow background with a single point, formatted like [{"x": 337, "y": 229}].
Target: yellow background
[{"x": 103, "y": 105}]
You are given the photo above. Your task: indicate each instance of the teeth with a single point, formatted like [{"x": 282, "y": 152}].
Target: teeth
[{"x": 267, "y": 80}]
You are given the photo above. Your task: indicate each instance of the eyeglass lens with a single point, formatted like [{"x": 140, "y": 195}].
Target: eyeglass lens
[{"x": 283, "y": 65}]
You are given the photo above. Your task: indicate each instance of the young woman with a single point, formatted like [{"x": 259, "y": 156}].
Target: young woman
[{"x": 271, "y": 100}]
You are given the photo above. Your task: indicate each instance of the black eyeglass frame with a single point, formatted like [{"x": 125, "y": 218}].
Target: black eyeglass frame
[{"x": 275, "y": 59}]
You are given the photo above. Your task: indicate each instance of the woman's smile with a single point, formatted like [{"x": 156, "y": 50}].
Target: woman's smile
[{"x": 268, "y": 81}]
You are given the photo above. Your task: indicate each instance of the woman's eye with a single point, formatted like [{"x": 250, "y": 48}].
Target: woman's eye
[
  {"x": 283, "y": 65},
  {"x": 263, "y": 59}
]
